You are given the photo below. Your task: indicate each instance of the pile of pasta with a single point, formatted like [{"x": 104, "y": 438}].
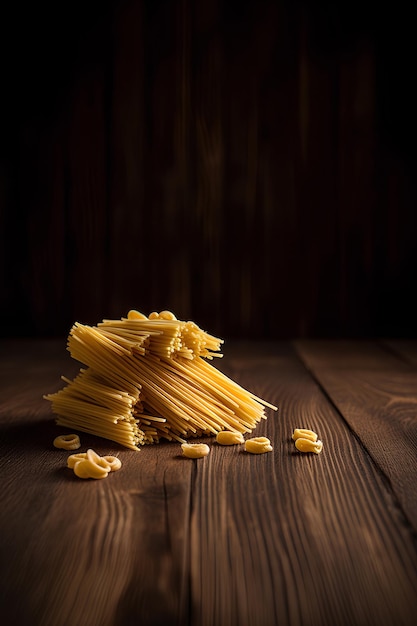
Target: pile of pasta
[{"x": 147, "y": 378}]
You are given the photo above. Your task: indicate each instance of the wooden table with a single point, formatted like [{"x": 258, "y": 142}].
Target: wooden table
[{"x": 281, "y": 538}]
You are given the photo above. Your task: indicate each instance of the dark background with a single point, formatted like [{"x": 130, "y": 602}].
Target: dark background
[{"x": 250, "y": 166}]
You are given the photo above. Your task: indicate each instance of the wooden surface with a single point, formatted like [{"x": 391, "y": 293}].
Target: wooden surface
[
  {"x": 232, "y": 539},
  {"x": 266, "y": 148}
]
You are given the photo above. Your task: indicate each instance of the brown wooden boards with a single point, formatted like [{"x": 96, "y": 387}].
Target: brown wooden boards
[
  {"x": 234, "y": 538},
  {"x": 292, "y": 538},
  {"x": 403, "y": 348},
  {"x": 84, "y": 552},
  {"x": 376, "y": 392}
]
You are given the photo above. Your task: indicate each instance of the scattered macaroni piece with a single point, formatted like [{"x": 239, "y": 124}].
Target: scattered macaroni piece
[
  {"x": 67, "y": 442},
  {"x": 114, "y": 463},
  {"x": 195, "y": 450},
  {"x": 305, "y": 434},
  {"x": 306, "y": 445},
  {"x": 229, "y": 438},
  {"x": 90, "y": 465},
  {"x": 88, "y": 469},
  {"x": 258, "y": 445},
  {"x": 98, "y": 460},
  {"x": 74, "y": 458}
]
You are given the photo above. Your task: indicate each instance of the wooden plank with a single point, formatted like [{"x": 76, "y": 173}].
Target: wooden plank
[
  {"x": 29, "y": 369},
  {"x": 347, "y": 354},
  {"x": 406, "y": 349},
  {"x": 128, "y": 220},
  {"x": 93, "y": 552},
  {"x": 87, "y": 246},
  {"x": 297, "y": 539},
  {"x": 97, "y": 552},
  {"x": 230, "y": 539},
  {"x": 160, "y": 130},
  {"x": 376, "y": 392}
]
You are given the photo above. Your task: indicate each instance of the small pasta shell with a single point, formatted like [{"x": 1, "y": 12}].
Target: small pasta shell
[
  {"x": 67, "y": 442},
  {"x": 74, "y": 458},
  {"x": 167, "y": 315},
  {"x": 258, "y": 445},
  {"x": 93, "y": 457},
  {"x": 136, "y": 315},
  {"x": 81, "y": 469},
  {"x": 229, "y": 438},
  {"x": 195, "y": 450},
  {"x": 304, "y": 433},
  {"x": 305, "y": 445},
  {"x": 113, "y": 462},
  {"x": 89, "y": 469}
]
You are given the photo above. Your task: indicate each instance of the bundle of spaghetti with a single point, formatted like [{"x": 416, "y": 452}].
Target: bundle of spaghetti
[
  {"x": 90, "y": 404},
  {"x": 110, "y": 358},
  {"x": 195, "y": 398},
  {"x": 167, "y": 337},
  {"x": 147, "y": 379}
]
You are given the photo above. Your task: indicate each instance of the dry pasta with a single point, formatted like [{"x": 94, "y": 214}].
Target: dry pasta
[
  {"x": 229, "y": 438},
  {"x": 258, "y": 445},
  {"x": 67, "y": 442},
  {"x": 306, "y": 445},
  {"x": 307, "y": 440},
  {"x": 195, "y": 450},
  {"x": 89, "y": 469},
  {"x": 304, "y": 433},
  {"x": 74, "y": 458},
  {"x": 147, "y": 379},
  {"x": 113, "y": 461},
  {"x": 91, "y": 465}
]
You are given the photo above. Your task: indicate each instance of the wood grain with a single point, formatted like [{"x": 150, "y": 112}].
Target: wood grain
[
  {"x": 248, "y": 147},
  {"x": 376, "y": 393},
  {"x": 293, "y": 538},
  {"x": 404, "y": 349},
  {"x": 84, "y": 552},
  {"x": 237, "y": 539}
]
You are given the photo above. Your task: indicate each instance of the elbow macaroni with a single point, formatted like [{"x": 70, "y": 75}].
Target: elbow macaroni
[
  {"x": 307, "y": 441},
  {"x": 74, "y": 458},
  {"x": 306, "y": 445},
  {"x": 113, "y": 462},
  {"x": 90, "y": 465},
  {"x": 195, "y": 450},
  {"x": 229, "y": 438},
  {"x": 67, "y": 442},
  {"x": 304, "y": 433},
  {"x": 89, "y": 469},
  {"x": 258, "y": 445}
]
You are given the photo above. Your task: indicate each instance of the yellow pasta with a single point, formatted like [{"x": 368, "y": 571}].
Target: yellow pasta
[
  {"x": 304, "y": 433},
  {"x": 90, "y": 465},
  {"x": 89, "y": 469},
  {"x": 150, "y": 378},
  {"x": 307, "y": 440},
  {"x": 75, "y": 458},
  {"x": 306, "y": 445},
  {"x": 195, "y": 450},
  {"x": 258, "y": 445},
  {"x": 97, "y": 460},
  {"x": 114, "y": 462},
  {"x": 229, "y": 438},
  {"x": 67, "y": 442}
]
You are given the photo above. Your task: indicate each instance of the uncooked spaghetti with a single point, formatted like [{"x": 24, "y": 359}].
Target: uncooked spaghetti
[{"x": 148, "y": 379}]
